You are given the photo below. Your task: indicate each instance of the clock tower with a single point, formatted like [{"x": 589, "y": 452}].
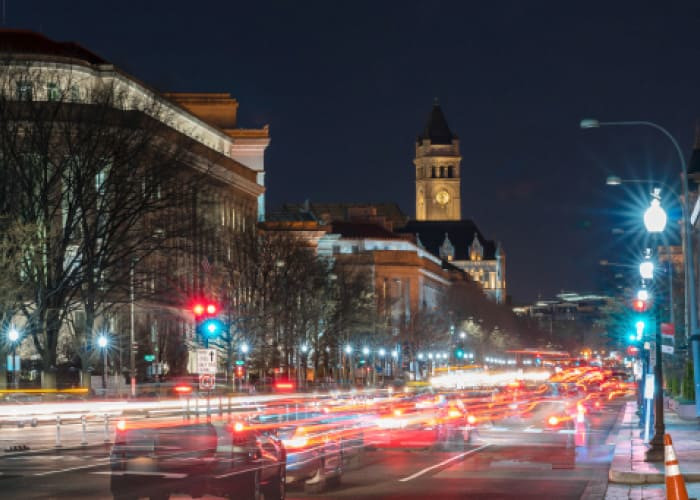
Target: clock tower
[{"x": 437, "y": 171}]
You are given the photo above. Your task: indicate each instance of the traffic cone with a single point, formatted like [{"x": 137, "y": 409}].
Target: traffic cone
[{"x": 675, "y": 486}]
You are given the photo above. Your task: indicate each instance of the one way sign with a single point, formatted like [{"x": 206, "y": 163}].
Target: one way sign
[{"x": 206, "y": 361}]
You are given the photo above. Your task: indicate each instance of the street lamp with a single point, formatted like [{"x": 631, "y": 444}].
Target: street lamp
[
  {"x": 655, "y": 222},
  {"x": 690, "y": 302},
  {"x": 13, "y": 336},
  {"x": 365, "y": 350},
  {"x": 102, "y": 343},
  {"x": 244, "y": 348},
  {"x": 655, "y": 217},
  {"x": 382, "y": 352},
  {"x": 646, "y": 270}
]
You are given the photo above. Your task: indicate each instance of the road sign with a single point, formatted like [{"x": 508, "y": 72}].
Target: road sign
[
  {"x": 649, "y": 386},
  {"x": 667, "y": 349},
  {"x": 652, "y": 353},
  {"x": 206, "y": 361},
  {"x": 207, "y": 382},
  {"x": 668, "y": 330}
]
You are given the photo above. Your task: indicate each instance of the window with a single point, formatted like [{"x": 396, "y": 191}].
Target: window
[
  {"x": 74, "y": 93},
  {"x": 52, "y": 92},
  {"x": 433, "y": 173},
  {"x": 24, "y": 91},
  {"x": 450, "y": 171}
]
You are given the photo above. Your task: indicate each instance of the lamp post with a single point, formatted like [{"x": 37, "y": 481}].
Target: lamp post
[
  {"x": 102, "y": 342},
  {"x": 690, "y": 303},
  {"x": 655, "y": 222},
  {"x": 13, "y": 336}
]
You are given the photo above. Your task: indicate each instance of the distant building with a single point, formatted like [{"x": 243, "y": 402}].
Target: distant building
[
  {"x": 439, "y": 226},
  {"x": 569, "y": 319}
]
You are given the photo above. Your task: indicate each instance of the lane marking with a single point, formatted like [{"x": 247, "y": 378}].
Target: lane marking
[
  {"x": 164, "y": 475},
  {"x": 444, "y": 462},
  {"x": 48, "y": 473}
]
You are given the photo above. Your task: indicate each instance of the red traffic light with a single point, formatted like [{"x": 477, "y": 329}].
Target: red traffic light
[
  {"x": 640, "y": 305},
  {"x": 205, "y": 308}
]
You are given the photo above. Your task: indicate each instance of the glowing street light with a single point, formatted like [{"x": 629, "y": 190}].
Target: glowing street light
[
  {"x": 244, "y": 348},
  {"x": 102, "y": 342},
  {"x": 643, "y": 295},
  {"x": 348, "y": 349},
  {"x": 382, "y": 352},
  {"x": 655, "y": 217},
  {"x": 365, "y": 350},
  {"x": 646, "y": 269},
  {"x": 13, "y": 336}
]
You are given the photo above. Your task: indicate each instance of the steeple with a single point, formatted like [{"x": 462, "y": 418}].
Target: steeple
[
  {"x": 447, "y": 249},
  {"x": 436, "y": 129}
]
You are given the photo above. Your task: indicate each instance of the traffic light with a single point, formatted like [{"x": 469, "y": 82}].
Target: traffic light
[
  {"x": 640, "y": 305},
  {"x": 240, "y": 371},
  {"x": 211, "y": 327},
  {"x": 207, "y": 323},
  {"x": 459, "y": 353}
]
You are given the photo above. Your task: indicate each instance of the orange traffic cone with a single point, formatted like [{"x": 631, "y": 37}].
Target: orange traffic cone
[{"x": 675, "y": 486}]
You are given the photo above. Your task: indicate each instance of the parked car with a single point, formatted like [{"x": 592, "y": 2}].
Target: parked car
[{"x": 217, "y": 458}]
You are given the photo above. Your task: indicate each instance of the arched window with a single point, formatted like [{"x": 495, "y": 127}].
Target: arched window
[
  {"x": 433, "y": 172},
  {"x": 450, "y": 171}
]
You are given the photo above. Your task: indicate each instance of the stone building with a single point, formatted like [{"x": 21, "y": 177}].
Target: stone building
[{"x": 230, "y": 195}]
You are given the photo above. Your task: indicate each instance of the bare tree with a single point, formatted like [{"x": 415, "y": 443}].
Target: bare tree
[{"x": 94, "y": 167}]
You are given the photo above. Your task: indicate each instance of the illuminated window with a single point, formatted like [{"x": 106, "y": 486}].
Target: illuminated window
[{"x": 52, "y": 92}]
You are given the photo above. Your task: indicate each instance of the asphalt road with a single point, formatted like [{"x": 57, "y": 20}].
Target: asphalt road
[{"x": 484, "y": 469}]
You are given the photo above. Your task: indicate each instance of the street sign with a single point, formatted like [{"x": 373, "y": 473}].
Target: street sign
[
  {"x": 240, "y": 362},
  {"x": 667, "y": 349},
  {"x": 649, "y": 386},
  {"x": 207, "y": 382},
  {"x": 668, "y": 330},
  {"x": 652, "y": 353},
  {"x": 206, "y": 361}
]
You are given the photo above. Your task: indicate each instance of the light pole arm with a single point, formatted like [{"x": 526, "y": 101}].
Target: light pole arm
[{"x": 691, "y": 303}]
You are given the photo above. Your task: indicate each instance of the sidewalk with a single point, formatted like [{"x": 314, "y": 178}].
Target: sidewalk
[{"x": 629, "y": 468}]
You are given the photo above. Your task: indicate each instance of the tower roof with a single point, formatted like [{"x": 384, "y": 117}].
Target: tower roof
[{"x": 436, "y": 129}]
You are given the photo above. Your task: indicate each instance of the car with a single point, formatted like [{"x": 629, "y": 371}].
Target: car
[
  {"x": 313, "y": 446},
  {"x": 218, "y": 458}
]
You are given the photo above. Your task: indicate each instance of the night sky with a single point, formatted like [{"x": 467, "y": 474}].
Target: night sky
[{"x": 347, "y": 86}]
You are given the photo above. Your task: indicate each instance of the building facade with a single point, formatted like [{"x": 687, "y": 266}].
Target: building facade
[
  {"x": 438, "y": 225},
  {"x": 227, "y": 162}
]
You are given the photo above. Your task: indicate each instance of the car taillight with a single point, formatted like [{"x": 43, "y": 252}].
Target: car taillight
[
  {"x": 471, "y": 419},
  {"x": 597, "y": 404},
  {"x": 454, "y": 413},
  {"x": 397, "y": 413},
  {"x": 183, "y": 389},
  {"x": 553, "y": 421},
  {"x": 284, "y": 385},
  {"x": 238, "y": 427},
  {"x": 121, "y": 425}
]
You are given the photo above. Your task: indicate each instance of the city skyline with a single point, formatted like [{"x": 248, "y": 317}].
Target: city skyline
[{"x": 346, "y": 93}]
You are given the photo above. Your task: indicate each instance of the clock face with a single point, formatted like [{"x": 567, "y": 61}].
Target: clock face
[{"x": 442, "y": 197}]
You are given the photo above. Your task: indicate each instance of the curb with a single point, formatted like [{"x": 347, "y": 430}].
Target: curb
[{"x": 628, "y": 477}]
